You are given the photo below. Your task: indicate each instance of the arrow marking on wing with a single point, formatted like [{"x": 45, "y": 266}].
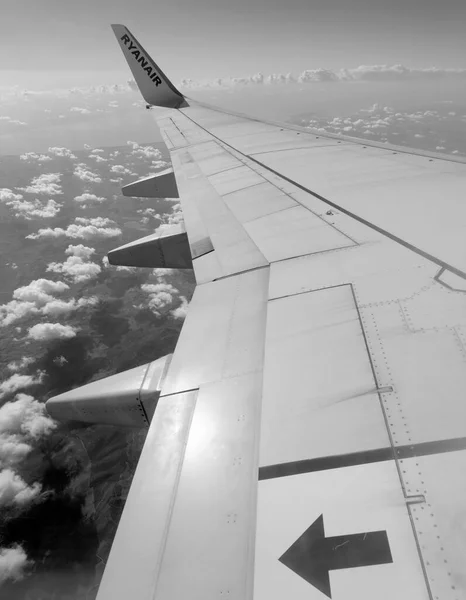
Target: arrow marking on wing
[{"x": 313, "y": 555}]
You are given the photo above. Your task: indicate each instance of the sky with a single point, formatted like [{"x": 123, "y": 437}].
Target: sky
[{"x": 72, "y": 41}]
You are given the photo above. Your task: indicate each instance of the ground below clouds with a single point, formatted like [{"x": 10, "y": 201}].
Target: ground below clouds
[{"x": 63, "y": 324}]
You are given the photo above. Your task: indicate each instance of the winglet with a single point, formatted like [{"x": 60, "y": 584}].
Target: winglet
[{"x": 153, "y": 84}]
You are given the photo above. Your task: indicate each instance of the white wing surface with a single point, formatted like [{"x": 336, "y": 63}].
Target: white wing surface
[{"x": 310, "y": 436}]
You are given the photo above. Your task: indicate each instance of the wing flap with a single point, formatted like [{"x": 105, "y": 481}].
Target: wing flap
[
  {"x": 133, "y": 567},
  {"x": 217, "y": 484}
]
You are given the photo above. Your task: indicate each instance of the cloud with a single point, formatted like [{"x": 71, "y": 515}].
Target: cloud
[
  {"x": 149, "y": 212},
  {"x": 80, "y": 250},
  {"x": 86, "y": 229},
  {"x": 121, "y": 169},
  {"x": 398, "y": 73},
  {"x": 17, "y": 382},
  {"x": 7, "y": 195},
  {"x": 11, "y": 121},
  {"x": 14, "y": 490},
  {"x": 85, "y": 174},
  {"x": 175, "y": 217},
  {"x": 421, "y": 128},
  {"x": 315, "y": 75},
  {"x": 13, "y": 563},
  {"x": 145, "y": 151},
  {"x": 77, "y": 268},
  {"x": 60, "y": 307},
  {"x": 160, "y": 296},
  {"x": 160, "y": 273},
  {"x": 33, "y": 156},
  {"x": 27, "y": 417},
  {"x": 44, "y": 184},
  {"x": 98, "y": 158},
  {"x": 14, "y": 310},
  {"x": 87, "y": 197},
  {"x": 39, "y": 291},
  {"x": 51, "y": 331},
  {"x": 13, "y": 449},
  {"x": 97, "y": 221},
  {"x": 373, "y": 73},
  {"x": 30, "y": 209},
  {"x": 182, "y": 310},
  {"x": 62, "y": 152},
  {"x": 78, "y": 109},
  {"x": 18, "y": 365},
  {"x": 30, "y": 299}
]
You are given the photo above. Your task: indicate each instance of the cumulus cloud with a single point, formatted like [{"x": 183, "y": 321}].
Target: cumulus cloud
[
  {"x": 87, "y": 197},
  {"x": 30, "y": 299},
  {"x": 380, "y": 123},
  {"x": 21, "y": 364},
  {"x": 161, "y": 295},
  {"x": 14, "y": 490},
  {"x": 86, "y": 229},
  {"x": 33, "y": 156},
  {"x": 145, "y": 151},
  {"x": 80, "y": 250},
  {"x": 60, "y": 307},
  {"x": 182, "y": 310},
  {"x": 39, "y": 291},
  {"x": 17, "y": 382},
  {"x": 77, "y": 268},
  {"x": 13, "y": 563},
  {"x": 14, "y": 310},
  {"x": 51, "y": 331},
  {"x": 85, "y": 174},
  {"x": 98, "y": 158},
  {"x": 27, "y": 417},
  {"x": 149, "y": 212},
  {"x": 28, "y": 209},
  {"x": 48, "y": 183},
  {"x": 62, "y": 152},
  {"x": 175, "y": 217},
  {"x": 121, "y": 169},
  {"x": 79, "y": 109},
  {"x": 7, "y": 195}
]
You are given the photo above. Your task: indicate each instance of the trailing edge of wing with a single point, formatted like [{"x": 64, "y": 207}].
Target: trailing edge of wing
[{"x": 153, "y": 84}]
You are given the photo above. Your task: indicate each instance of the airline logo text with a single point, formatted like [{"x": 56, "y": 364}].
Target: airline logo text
[{"x": 141, "y": 59}]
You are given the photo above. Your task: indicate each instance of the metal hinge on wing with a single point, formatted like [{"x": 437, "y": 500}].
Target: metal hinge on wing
[
  {"x": 161, "y": 185},
  {"x": 169, "y": 250}
]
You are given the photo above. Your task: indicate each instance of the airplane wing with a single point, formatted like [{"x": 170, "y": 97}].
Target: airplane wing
[{"x": 308, "y": 437}]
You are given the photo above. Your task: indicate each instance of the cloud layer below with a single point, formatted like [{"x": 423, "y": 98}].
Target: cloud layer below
[{"x": 362, "y": 73}]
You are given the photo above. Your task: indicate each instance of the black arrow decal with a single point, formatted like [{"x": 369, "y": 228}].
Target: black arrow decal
[{"x": 313, "y": 555}]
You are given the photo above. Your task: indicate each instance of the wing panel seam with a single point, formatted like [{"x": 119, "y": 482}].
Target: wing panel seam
[{"x": 348, "y": 213}]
